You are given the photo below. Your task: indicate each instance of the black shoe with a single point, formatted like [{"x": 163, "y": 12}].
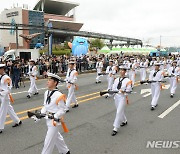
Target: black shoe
[
  {"x": 156, "y": 105},
  {"x": 114, "y": 133},
  {"x": 1, "y": 132},
  {"x": 68, "y": 152},
  {"x": 36, "y": 93},
  {"x": 123, "y": 124},
  {"x": 152, "y": 108},
  {"x": 171, "y": 95},
  {"x": 28, "y": 96},
  {"x": 106, "y": 96},
  {"x": 76, "y": 105},
  {"x": 67, "y": 111},
  {"x": 17, "y": 124},
  {"x": 99, "y": 81}
]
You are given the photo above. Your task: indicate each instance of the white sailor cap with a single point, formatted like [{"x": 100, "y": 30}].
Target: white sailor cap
[
  {"x": 111, "y": 60},
  {"x": 31, "y": 60},
  {"x": 2, "y": 65},
  {"x": 122, "y": 67},
  {"x": 53, "y": 76},
  {"x": 71, "y": 62},
  {"x": 157, "y": 64}
]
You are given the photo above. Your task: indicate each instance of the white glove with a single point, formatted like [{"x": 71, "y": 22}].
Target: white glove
[{"x": 43, "y": 110}]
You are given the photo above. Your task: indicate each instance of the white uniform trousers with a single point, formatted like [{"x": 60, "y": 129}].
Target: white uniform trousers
[
  {"x": 98, "y": 76},
  {"x": 132, "y": 75},
  {"x": 33, "y": 87},
  {"x": 143, "y": 74},
  {"x": 120, "y": 103},
  {"x": 173, "y": 85},
  {"x": 53, "y": 137},
  {"x": 110, "y": 82},
  {"x": 4, "y": 109},
  {"x": 71, "y": 96},
  {"x": 155, "y": 90}
]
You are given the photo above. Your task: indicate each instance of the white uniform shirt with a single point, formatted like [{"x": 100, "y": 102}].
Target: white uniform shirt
[
  {"x": 126, "y": 85},
  {"x": 99, "y": 66},
  {"x": 55, "y": 105},
  {"x": 156, "y": 75},
  {"x": 32, "y": 71},
  {"x": 5, "y": 89},
  {"x": 143, "y": 65},
  {"x": 71, "y": 76},
  {"x": 174, "y": 71},
  {"x": 111, "y": 70}
]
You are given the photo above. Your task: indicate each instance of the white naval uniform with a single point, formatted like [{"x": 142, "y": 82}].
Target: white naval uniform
[
  {"x": 72, "y": 78},
  {"x": 5, "y": 106},
  {"x": 155, "y": 86},
  {"x": 120, "y": 100},
  {"x": 143, "y": 66},
  {"x": 152, "y": 64},
  {"x": 53, "y": 138},
  {"x": 173, "y": 80},
  {"x": 32, "y": 74},
  {"x": 132, "y": 72},
  {"x": 168, "y": 63},
  {"x": 111, "y": 71},
  {"x": 99, "y": 67}
]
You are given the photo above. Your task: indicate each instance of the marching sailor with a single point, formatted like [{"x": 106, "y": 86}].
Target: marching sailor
[
  {"x": 173, "y": 72},
  {"x": 5, "y": 99},
  {"x": 168, "y": 63},
  {"x": 111, "y": 72},
  {"x": 99, "y": 67},
  {"x": 132, "y": 71},
  {"x": 71, "y": 79},
  {"x": 152, "y": 63},
  {"x": 33, "y": 76},
  {"x": 155, "y": 76},
  {"x": 54, "y": 104},
  {"x": 143, "y": 66},
  {"x": 123, "y": 85}
]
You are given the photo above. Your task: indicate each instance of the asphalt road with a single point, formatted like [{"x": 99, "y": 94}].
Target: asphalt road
[{"x": 90, "y": 125}]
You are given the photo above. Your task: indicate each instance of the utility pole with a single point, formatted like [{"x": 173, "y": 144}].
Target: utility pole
[{"x": 17, "y": 41}]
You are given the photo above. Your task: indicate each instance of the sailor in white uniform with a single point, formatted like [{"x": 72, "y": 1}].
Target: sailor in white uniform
[
  {"x": 155, "y": 76},
  {"x": 143, "y": 67},
  {"x": 33, "y": 76},
  {"x": 132, "y": 71},
  {"x": 54, "y": 104},
  {"x": 111, "y": 72},
  {"x": 173, "y": 72},
  {"x": 99, "y": 67},
  {"x": 123, "y": 85},
  {"x": 5, "y": 99},
  {"x": 71, "y": 80}
]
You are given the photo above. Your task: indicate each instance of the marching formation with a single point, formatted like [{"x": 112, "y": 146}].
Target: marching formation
[{"x": 121, "y": 75}]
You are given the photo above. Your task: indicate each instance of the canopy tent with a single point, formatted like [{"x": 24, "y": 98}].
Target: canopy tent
[{"x": 105, "y": 49}]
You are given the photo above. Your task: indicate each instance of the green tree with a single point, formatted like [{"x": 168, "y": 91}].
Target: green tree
[{"x": 96, "y": 43}]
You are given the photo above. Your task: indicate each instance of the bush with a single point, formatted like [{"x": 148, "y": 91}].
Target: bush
[{"x": 58, "y": 52}]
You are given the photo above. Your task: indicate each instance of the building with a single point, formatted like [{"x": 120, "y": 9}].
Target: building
[
  {"x": 20, "y": 15},
  {"x": 59, "y": 13}
]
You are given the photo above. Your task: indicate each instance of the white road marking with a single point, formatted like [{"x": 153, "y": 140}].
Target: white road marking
[
  {"x": 27, "y": 91},
  {"x": 143, "y": 91},
  {"x": 165, "y": 113}
]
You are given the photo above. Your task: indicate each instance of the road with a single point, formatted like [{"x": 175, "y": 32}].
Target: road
[{"x": 90, "y": 125}]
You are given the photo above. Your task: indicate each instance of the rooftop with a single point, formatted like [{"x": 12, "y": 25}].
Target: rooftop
[{"x": 58, "y": 7}]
